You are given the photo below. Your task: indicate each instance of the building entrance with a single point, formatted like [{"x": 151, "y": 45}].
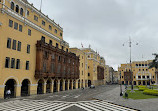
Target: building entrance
[{"x": 25, "y": 88}]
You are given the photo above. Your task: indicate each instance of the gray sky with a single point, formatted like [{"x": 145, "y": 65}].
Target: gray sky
[{"x": 106, "y": 25}]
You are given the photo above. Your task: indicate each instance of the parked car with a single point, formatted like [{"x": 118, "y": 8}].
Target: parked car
[{"x": 92, "y": 86}]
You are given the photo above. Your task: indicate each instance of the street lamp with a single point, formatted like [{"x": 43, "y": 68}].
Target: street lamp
[
  {"x": 130, "y": 45},
  {"x": 121, "y": 94}
]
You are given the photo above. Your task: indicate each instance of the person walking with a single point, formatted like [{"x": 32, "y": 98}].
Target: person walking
[{"x": 8, "y": 93}]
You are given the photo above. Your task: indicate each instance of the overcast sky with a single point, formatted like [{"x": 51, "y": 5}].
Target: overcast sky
[{"x": 106, "y": 25}]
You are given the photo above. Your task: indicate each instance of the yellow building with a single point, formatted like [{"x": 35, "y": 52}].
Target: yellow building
[
  {"x": 96, "y": 67},
  {"x": 83, "y": 81},
  {"x": 141, "y": 74},
  {"x": 24, "y": 30}
]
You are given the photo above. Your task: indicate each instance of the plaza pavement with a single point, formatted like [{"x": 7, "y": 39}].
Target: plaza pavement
[{"x": 141, "y": 104}]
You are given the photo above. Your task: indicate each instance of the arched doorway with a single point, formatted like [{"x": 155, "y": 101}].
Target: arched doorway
[
  {"x": 55, "y": 85},
  {"x": 144, "y": 83},
  {"x": 48, "y": 86},
  {"x": 139, "y": 83},
  {"x": 40, "y": 87},
  {"x": 148, "y": 82},
  {"x": 89, "y": 83},
  {"x": 70, "y": 84},
  {"x": 10, "y": 85},
  {"x": 61, "y": 85},
  {"x": 25, "y": 88},
  {"x": 78, "y": 83},
  {"x": 134, "y": 83},
  {"x": 74, "y": 84},
  {"x": 66, "y": 85}
]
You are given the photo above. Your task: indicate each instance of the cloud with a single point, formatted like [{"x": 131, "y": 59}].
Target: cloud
[{"x": 106, "y": 25}]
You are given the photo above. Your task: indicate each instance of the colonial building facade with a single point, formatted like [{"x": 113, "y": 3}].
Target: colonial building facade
[
  {"x": 34, "y": 58},
  {"x": 93, "y": 64},
  {"x": 140, "y": 74}
]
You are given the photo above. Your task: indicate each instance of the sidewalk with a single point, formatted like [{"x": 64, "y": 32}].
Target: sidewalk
[{"x": 141, "y": 104}]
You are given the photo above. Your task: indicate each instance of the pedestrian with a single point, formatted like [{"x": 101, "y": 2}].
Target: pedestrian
[
  {"x": 126, "y": 95},
  {"x": 8, "y": 93}
]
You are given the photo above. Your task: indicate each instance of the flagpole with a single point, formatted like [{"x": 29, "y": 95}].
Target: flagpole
[{"x": 41, "y": 6}]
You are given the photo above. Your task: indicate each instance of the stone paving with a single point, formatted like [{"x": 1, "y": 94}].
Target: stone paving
[{"x": 141, "y": 104}]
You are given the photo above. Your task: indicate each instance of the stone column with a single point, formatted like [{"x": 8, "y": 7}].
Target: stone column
[
  {"x": 58, "y": 88},
  {"x": 72, "y": 85},
  {"x": 52, "y": 87},
  {"x": 17, "y": 90},
  {"x": 63, "y": 85},
  {"x": 44, "y": 87},
  {"x": 2, "y": 88},
  {"x": 76, "y": 84},
  {"x": 33, "y": 88},
  {"x": 68, "y": 82}
]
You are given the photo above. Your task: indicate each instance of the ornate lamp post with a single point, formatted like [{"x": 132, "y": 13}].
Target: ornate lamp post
[{"x": 131, "y": 76}]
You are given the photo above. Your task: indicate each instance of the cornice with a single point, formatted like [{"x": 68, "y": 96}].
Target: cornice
[{"x": 28, "y": 5}]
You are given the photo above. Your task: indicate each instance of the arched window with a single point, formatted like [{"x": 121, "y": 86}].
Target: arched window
[
  {"x": 17, "y": 9},
  {"x": 12, "y": 5},
  {"x": 21, "y": 11}
]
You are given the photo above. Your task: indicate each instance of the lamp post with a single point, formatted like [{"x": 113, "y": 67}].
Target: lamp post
[
  {"x": 130, "y": 46},
  {"x": 121, "y": 94}
]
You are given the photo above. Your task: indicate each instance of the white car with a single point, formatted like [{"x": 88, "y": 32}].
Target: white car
[{"x": 92, "y": 86}]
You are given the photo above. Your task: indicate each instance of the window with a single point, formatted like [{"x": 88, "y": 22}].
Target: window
[
  {"x": 7, "y": 61},
  {"x": 17, "y": 9},
  {"x": 69, "y": 60},
  {"x": 52, "y": 68},
  {"x": 29, "y": 32},
  {"x": 15, "y": 25},
  {"x": 59, "y": 58},
  {"x": 82, "y": 64},
  {"x": 67, "y": 50},
  {"x": 13, "y": 63},
  {"x": 134, "y": 76},
  {"x": 43, "y": 39},
  {"x": 143, "y": 69},
  {"x": 18, "y": 64},
  {"x": 20, "y": 28},
  {"x": 136, "y": 64},
  {"x": 9, "y": 43},
  {"x": 53, "y": 56},
  {"x": 59, "y": 68},
  {"x": 28, "y": 13},
  {"x": 143, "y": 77},
  {"x": 146, "y": 65},
  {"x": 56, "y": 45},
  {"x": 44, "y": 67},
  {"x": 35, "y": 18},
  {"x": 55, "y": 31},
  {"x": 122, "y": 76},
  {"x": 10, "y": 23},
  {"x": 139, "y": 69},
  {"x": 153, "y": 76},
  {"x": 82, "y": 72},
  {"x": 88, "y": 67},
  {"x": 147, "y": 76},
  {"x": 61, "y": 34},
  {"x": 139, "y": 64},
  {"x": 43, "y": 23},
  {"x": 88, "y": 74},
  {"x": 62, "y": 47},
  {"x": 21, "y": 11},
  {"x": 50, "y": 42},
  {"x": 139, "y": 77},
  {"x": 19, "y": 46},
  {"x": 27, "y": 65},
  {"x": 50, "y": 27},
  {"x": 146, "y": 69},
  {"x": 12, "y": 5},
  {"x": 28, "y": 48},
  {"x": 14, "y": 45},
  {"x": 142, "y": 64}
]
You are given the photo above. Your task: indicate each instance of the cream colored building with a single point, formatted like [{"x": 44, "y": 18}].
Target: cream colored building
[
  {"x": 83, "y": 66},
  {"x": 22, "y": 28},
  {"x": 141, "y": 74},
  {"x": 96, "y": 67}
]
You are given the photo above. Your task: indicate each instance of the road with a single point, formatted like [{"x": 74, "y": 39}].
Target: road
[{"x": 72, "y": 100}]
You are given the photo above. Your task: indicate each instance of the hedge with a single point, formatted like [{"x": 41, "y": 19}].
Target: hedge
[
  {"x": 151, "y": 92},
  {"x": 142, "y": 89}
]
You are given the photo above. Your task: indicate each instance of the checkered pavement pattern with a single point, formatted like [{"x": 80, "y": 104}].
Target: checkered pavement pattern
[{"x": 43, "y": 105}]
